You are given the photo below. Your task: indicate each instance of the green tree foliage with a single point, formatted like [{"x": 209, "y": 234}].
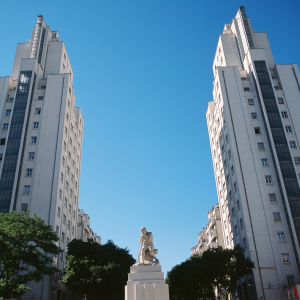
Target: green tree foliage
[
  {"x": 27, "y": 246},
  {"x": 98, "y": 271},
  {"x": 199, "y": 277}
]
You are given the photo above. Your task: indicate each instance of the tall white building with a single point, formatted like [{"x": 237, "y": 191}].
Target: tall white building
[
  {"x": 41, "y": 142},
  {"x": 254, "y": 132}
]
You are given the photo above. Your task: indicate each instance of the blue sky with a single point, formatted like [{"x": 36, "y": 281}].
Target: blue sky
[{"x": 143, "y": 77}]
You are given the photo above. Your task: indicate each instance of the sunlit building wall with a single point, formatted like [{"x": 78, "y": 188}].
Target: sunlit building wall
[
  {"x": 254, "y": 131},
  {"x": 41, "y": 142}
]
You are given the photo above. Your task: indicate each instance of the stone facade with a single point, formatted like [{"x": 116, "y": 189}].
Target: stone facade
[{"x": 254, "y": 131}]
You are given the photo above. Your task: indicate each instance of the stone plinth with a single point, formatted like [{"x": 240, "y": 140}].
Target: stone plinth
[{"x": 146, "y": 283}]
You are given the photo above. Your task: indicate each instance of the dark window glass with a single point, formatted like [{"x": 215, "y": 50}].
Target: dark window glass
[
  {"x": 282, "y": 148},
  {"x": 14, "y": 140}
]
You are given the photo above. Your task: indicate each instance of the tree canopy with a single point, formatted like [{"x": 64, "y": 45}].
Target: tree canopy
[
  {"x": 98, "y": 271},
  {"x": 27, "y": 246},
  {"x": 200, "y": 277}
]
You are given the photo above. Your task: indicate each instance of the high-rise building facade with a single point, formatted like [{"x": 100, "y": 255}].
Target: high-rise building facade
[
  {"x": 254, "y": 132},
  {"x": 211, "y": 236},
  {"x": 41, "y": 142}
]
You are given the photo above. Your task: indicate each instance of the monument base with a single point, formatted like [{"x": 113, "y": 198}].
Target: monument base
[{"x": 146, "y": 283}]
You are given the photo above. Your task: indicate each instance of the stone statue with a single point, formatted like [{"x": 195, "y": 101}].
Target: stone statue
[{"x": 147, "y": 252}]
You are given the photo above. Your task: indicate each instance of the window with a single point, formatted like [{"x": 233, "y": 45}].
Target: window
[
  {"x": 63, "y": 236},
  {"x": 29, "y": 172},
  {"x": 254, "y": 116},
  {"x": 276, "y": 87},
  {"x": 280, "y": 100},
  {"x": 68, "y": 170},
  {"x": 37, "y": 111},
  {"x": 261, "y": 146},
  {"x": 272, "y": 197},
  {"x": 65, "y": 202},
  {"x": 230, "y": 195},
  {"x": 286, "y": 258},
  {"x": 232, "y": 171},
  {"x": 2, "y": 142},
  {"x": 76, "y": 185},
  {"x": 247, "y": 89},
  {"x": 69, "y": 224},
  {"x": 35, "y": 125},
  {"x": 290, "y": 280},
  {"x": 64, "y": 219},
  {"x": 69, "y": 155},
  {"x": 75, "y": 198},
  {"x": 233, "y": 212},
  {"x": 257, "y": 130},
  {"x": 73, "y": 163},
  {"x": 250, "y": 102},
  {"x": 24, "y": 207},
  {"x": 5, "y": 126},
  {"x": 225, "y": 164},
  {"x": 67, "y": 185},
  {"x": 70, "y": 140},
  {"x": 57, "y": 230},
  {"x": 65, "y": 146},
  {"x": 236, "y": 230},
  {"x": 244, "y": 243},
  {"x": 297, "y": 160},
  {"x": 281, "y": 236},
  {"x": 234, "y": 185},
  {"x": 63, "y": 161},
  {"x": 293, "y": 144},
  {"x": 60, "y": 194},
  {"x": 241, "y": 223},
  {"x": 62, "y": 255},
  {"x": 41, "y": 97},
  {"x": 67, "y": 117},
  {"x": 284, "y": 114},
  {"x": 264, "y": 162},
  {"x": 71, "y": 193},
  {"x": 70, "y": 208},
  {"x": 31, "y": 155},
  {"x": 238, "y": 204},
  {"x": 229, "y": 154},
  {"x": 33, "y": 139},
  {"x": 43, "y": 87},
  {"x": 226, "y": 138},
  {"x": 73, "y": 230},
  {"x": 68, "y": 241},
  {"x": 61, "y": 177},
  {"x": 26, "y": 189},
  {"x": 227, "y": 179},
  {"x": 66, "y": 130},
  {"x": 58, "y": 211},
  {"x": 277, "y": 217},
  {"x": 8, "y": 112},
  {"x": 74, "y": 214},
  {"x": 268, "y": 179}
]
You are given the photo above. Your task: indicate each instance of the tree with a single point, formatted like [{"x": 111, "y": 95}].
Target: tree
[
  {"x": 216, "y": 270},
  {"x": 27, "y": 246},
  {"x": 98, "y": 271}
]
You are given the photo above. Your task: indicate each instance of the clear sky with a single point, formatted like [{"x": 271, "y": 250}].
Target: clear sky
[{"x": 143, "y": 77}]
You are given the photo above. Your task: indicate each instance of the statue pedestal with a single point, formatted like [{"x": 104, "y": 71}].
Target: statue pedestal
[{"x": 146, "y": 283}]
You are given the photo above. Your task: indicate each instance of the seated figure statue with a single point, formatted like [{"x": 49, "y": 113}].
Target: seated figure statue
[{"x": 147, "y": 252}]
